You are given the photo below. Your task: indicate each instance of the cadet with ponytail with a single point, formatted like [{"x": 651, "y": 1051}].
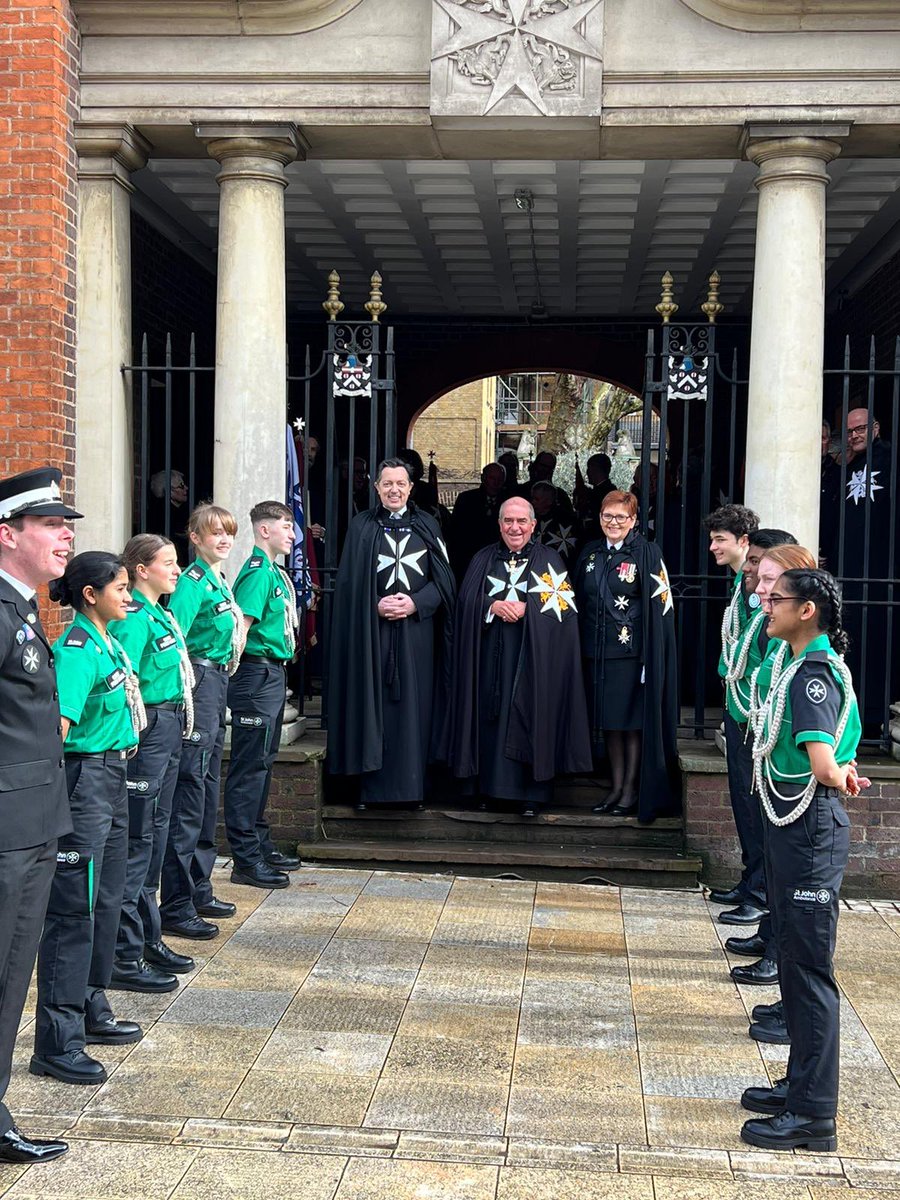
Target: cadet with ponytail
[
  {"x": 102, "y": 715},
  {"x": 804, "y": 754}
]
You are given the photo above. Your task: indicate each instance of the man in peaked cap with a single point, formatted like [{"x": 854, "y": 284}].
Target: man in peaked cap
[{"x": 35, "y": 544}]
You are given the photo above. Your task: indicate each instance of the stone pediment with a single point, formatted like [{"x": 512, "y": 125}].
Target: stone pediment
[
  {"x": 516, "y": 58},
  {"x": 787, "y": 16},
  {"x": 205, "y": 17}
]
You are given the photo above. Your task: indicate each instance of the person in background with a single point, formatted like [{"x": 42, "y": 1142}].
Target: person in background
[
  {"x": 35, "y": 543},
  {"x": 213, "y": 628},
  {"x": 102, "y": 716},
  {"x": 473, "y": 522}
]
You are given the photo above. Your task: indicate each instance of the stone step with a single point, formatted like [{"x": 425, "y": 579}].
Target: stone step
[
  {"x": 569, "y": 825},
  {"x": 618, "y": 865}
]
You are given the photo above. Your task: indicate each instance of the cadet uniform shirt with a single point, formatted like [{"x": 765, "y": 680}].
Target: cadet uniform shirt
[
  {"x": 756, "y": 640},
  {"x": 91, "y": 678},
  {"x": 744, "y": 614},
  {"x": 260, "y": 593},
  {"x": 815, "y": 697},
  {"x": 201, "y": 604},
  {"x": 148, "y": 637}
]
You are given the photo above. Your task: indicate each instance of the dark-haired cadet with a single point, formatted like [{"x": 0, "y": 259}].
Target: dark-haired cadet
[
  {"x": 256, "y": 693},
  {"x": 152, "y": 640},
  {"x": 213, "y": 628},
  {"x": 804, "y": 765},
  {"x": 102, "y": 715}
]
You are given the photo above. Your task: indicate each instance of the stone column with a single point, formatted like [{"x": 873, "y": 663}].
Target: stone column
[
  {"x": 788, "y": 325},
  {"x": 104, "y": 443},
  {"x": 251, "y": 361}
]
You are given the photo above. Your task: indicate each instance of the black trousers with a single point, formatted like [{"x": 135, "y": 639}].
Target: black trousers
[
  {"x": 806, "y": 862},
  {"x": 25, "y": 879},
  {"x": 78, "y": 944},
  {"x": 195, "y": 793},
  {"x": 256, "y": 696},
  {"x": 152, "y": 775},
  {"x": 748, "y": 815}
]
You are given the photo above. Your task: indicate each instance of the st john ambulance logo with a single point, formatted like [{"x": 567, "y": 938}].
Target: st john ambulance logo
[
  {"x": 31, "y": 660},
  {"x": 816, "y": 691}
]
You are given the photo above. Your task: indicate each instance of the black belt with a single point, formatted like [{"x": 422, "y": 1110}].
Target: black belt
[
  {"x": 176, "y": 708},
  {"x": 208, "y": 662},
  {"x": 105, "y": 756},
  {"x": 830, "y": 793},
  {"x": 261, "y": 658}
]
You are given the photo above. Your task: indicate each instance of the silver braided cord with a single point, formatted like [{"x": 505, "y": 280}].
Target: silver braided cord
[
  {"x": 133, "y": 697},
  {"x": 768, "y": 730},
  {"x": 731, "y": 620},
  {"x": 238, "y": 632},
  {"x": 736, "y": 655},
  {"x": 188, "y": 681},
  {"x": 291, "y": 617}
]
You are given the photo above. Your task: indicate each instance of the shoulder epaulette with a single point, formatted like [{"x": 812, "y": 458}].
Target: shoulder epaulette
[
  {"x": 195, "y": 572},
  {"x": 256, "y": 561},
  {"x": 133, "y": 606},
  {"x": 76, "y": 637},
  {"x": 817, "y": 656}
]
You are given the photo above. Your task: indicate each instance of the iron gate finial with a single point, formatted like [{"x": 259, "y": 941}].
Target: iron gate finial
[
  {"x": 712, "y": 307},
  {"x": 375, "y": 305},
  {"x": 334, "y": 306},
  {"x": 667, "y": 307}
]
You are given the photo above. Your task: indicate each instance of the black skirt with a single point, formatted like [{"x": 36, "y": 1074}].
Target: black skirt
[{"x": 617, "y": 692}]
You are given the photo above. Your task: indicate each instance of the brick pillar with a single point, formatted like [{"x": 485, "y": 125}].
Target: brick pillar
[{"x": 38, "y": 104}]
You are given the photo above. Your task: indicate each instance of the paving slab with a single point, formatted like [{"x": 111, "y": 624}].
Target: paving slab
[
  {"x": 237, "y": 1175},
  {"x": 375, "y": 1179}
]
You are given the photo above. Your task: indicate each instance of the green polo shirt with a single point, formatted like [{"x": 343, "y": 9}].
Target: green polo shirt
[
  {"x": 260, "y": 592},
  {"x": 755, "y": 638},
  {"x": 812, "y": 710},
  {"x": 744, "y": 615},
  {"x": 90, "y": 675},
  {"x": 149, "y": 639},
  {"x": 201, "y": 604}
]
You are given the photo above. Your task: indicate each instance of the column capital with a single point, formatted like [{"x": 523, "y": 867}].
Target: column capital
[
  {"x": 253, "y": 150},
  {"x": 800, "y": 151},
  {"x": 110, "y": 152}
]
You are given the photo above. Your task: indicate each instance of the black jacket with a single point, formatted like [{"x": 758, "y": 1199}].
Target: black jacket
[{"x": 34, "y": 802}]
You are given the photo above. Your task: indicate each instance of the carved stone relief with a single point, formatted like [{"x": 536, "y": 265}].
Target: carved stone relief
[{"x": 516, "y": 57}]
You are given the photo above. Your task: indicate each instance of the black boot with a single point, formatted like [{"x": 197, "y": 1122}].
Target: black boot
[
  {"x": 749, "y": 947},
  {"x": 773, "y": 1032},
  {"x": 791, "y": 1131},
  {"x": 759, "y": 974},
  {"x": 770, "y": 1100}
]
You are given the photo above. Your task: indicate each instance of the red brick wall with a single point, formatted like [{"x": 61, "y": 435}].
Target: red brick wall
[{"x": 38, "y": 104}]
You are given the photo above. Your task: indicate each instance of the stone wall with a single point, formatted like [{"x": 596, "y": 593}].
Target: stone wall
[
  {"x": 38, "y": 198},
  {"x": 459, "y": 427},
  {"x": 873, "y": 870}
]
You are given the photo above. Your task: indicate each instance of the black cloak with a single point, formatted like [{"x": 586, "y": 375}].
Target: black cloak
[
  {"x": 548, "y": 726},
  {"x": 660, "y": 779},
  {"x": 354, "y": 701}
]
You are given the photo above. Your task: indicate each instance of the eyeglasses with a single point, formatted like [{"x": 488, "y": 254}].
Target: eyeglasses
[
  {"x": 776, "y": 599},
  {"x": 614, "y": 518},
  {"x": 851, "y": 429}
]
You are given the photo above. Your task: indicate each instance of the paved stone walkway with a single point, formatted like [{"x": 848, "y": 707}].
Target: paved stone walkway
[{"x": 366, "y": 1036}]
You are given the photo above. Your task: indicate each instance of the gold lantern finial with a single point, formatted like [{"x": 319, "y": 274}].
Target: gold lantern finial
[
  {"x": 667, "y": 307},
  {"x": 713, "y": 307},
  {"x": 334, "y": 306},
  {"x": 375, "y": 305}
]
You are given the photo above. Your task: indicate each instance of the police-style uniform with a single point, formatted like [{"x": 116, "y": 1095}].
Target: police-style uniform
[
  {"x": 256, "y": 695},
  {"x": 744, "y": 642},
  {"x": 156, "y": 649},
  {"x": 34, "y": 806},
  {"x": 806, "y": 855},
  {"x": 202, "y": 604},
  {"x": 77, "y": 949}
]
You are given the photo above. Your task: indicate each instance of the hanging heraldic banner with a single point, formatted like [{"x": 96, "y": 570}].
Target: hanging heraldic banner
[
  {"x": 353, "y": 376},
  {"x": 520, "y": 58}
]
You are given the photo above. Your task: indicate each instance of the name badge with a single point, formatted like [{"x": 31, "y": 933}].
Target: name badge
[
  {"x": 166, "y": 642},
  {"x": 222, "y": 606},
  {"x": 278, "y": 592},
  {"x": 115, "y": 678}
]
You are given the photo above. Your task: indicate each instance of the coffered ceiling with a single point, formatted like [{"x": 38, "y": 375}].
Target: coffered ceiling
[{"x": 448, "y": 237}]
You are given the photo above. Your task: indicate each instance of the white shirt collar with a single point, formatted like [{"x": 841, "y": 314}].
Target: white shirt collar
[
  {"x": 614, "y": 545},
  {"x": 395, "y": 516},
  {"x": 28, "y": 593}
]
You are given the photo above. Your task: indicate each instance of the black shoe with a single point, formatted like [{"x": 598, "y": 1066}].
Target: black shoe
[
  {"x": 259, "y": 875},
  {"x": 360, "y": 808},
  {"x": 731, "y": 896},
  {"x": 72, "y": 1067},
  {"x": 220, "y": 909},
  {"x": 283, "y": 862},
  {"x": 759, "y": 974},
  {"x": 112, "y": 1033},
  {"x": 751, "y": 947},
  {"x": 15, "y": 1147},
  {"x": 744, "y": 914},
  {"x": 768, "y": 1012},
  {"x": 773, "y": 1032},
  {"x": 529, "y": 811},
  {"x": 624, "y": 810},
  {"x": 158, "y": 954},
  {"x": 770, "y": 1100},
  {"x": 607, "y": 805},
  {"x": 791, "y": 1131},
  {"x": 193, "y": 927},
  {"x": 140, "y": 976}
]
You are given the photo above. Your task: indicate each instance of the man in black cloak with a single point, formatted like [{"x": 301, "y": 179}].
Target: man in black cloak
[
  {"x": 391, "y": 626},
  {"x": 518, "y": 711},
  {"x": 624, "y": 585}
]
